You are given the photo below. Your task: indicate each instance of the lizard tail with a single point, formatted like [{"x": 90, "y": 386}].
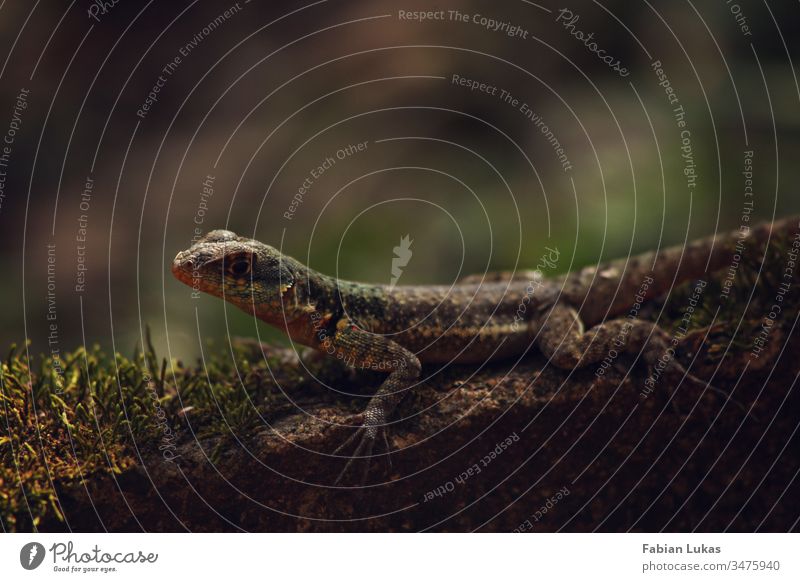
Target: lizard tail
[{"x": 612, "y": 288}]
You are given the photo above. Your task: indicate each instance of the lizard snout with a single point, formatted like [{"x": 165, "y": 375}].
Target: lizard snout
[{"x": 182, "y": 265}]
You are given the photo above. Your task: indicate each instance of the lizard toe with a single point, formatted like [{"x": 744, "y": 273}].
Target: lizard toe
[{"x": 366, "y": 436}]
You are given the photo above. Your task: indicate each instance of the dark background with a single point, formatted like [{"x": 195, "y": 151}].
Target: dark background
[{"x": 278, "y": 87}]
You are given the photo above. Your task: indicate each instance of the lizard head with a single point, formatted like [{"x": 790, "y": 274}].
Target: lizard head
[{"x": 243, "y": 271}]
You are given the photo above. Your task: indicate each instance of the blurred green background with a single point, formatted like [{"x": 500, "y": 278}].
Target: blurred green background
[{"x": 265, "y": 92}]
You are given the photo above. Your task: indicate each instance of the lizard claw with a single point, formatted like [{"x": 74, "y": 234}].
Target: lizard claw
[
  {"x": 368, "y": 435},
  {"x": 677, "y": 372},
  {"x": 719, "y": 391},
  {"x": 693, "y": 343}
]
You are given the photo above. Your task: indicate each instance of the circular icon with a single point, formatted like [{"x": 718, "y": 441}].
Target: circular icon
[{"x": 31, "y": 555}]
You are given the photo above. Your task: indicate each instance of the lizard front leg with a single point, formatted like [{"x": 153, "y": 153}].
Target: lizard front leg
[{"x": 363, "y": 350}]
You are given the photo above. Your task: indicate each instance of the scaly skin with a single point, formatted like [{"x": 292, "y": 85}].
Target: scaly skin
[{"x": 397, "y": 329}]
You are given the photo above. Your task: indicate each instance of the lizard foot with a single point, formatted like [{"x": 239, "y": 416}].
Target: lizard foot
[
  {"x": 675, "y": 373},
  {"x": 366, "y": 436}
]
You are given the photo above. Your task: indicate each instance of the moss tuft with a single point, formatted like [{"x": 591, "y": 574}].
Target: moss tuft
[{"x": 100, "y": 413}]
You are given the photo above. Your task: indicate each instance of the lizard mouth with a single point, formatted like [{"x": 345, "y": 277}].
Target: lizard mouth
[
  {"x": 185, "y": 271},
  {"x": 186, "y": 267},
  {"x": 182, "y": 267}
]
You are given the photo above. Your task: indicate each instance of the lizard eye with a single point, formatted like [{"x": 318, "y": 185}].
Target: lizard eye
[{"x": 240, "y": 266}]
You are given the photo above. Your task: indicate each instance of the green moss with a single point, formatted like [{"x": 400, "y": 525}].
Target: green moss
[
  {"x": 101, "y": 412},
  {"x": 752, "y": 293}
]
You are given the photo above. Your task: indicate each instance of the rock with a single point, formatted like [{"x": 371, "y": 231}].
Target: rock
[{"x": 510, "y": 447}]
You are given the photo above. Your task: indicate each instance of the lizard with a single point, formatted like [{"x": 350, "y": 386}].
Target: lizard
[{"x": 573, "y": 319}]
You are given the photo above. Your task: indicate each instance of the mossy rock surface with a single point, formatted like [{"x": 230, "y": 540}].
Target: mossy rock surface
[{"x": 106, "y": 442}]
